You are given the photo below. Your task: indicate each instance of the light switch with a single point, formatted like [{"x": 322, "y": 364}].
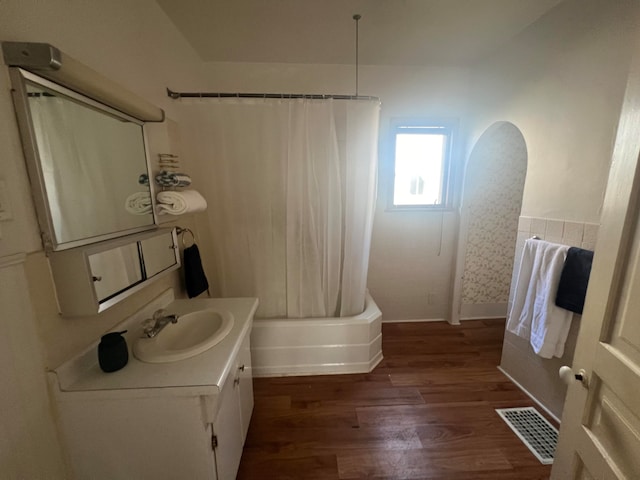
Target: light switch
[{"x": 5, "y": 206}]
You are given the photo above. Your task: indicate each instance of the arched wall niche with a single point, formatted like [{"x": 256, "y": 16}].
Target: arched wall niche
[{"x": 491, "y": 204}]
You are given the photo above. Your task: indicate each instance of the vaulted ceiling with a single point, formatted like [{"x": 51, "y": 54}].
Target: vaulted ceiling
[{"x": 392, "y": 32}]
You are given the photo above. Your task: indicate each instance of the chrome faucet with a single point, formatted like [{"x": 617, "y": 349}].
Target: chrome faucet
[{"x": 153, "y": 326}]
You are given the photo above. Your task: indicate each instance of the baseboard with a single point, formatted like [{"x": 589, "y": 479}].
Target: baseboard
[
  {"x": 530, "y": 395},
  {"x": 415, "y": 320}
]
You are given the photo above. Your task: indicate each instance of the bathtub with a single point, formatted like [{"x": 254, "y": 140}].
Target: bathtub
[{"x": 317, "y": 346}]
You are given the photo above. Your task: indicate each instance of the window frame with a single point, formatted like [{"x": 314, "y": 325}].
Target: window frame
[{"x": 447, "y": 126}]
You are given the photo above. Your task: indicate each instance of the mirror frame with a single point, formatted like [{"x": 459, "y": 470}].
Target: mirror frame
[{"x": 34, "y": 167}]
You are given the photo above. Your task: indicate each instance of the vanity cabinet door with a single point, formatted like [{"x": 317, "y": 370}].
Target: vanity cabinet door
[
  {"x": 245, "y": 385},
  {"x": 226, "y": 429},
  {"x": 234, "y": 414}
]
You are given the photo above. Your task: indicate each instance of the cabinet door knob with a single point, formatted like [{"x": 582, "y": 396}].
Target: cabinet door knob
[
  {"x": 236, "y": 381},
  {"x": 96, "y": 279},
  {"x": 241, "y": 368}
]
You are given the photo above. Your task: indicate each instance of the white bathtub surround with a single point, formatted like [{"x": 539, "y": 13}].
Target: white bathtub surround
[
  {"x": 317, "y": 346},
  {"x": 294, "y": 201},
  {"x": 152, "y": 420}
]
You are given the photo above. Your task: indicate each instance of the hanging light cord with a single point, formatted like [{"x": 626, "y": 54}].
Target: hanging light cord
[{"x": 357, "y": 18}]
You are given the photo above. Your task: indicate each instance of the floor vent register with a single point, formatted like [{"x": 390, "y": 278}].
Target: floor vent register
[{"x": 534, "y": 430}]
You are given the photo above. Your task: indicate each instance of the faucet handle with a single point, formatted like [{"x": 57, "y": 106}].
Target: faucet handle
[
  {"x": 158, "y": 314},
  {"x": 148, "y": 325}
]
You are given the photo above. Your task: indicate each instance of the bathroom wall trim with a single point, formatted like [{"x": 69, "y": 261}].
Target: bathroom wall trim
[
  {"x": 414, "y": 320},
  {"x": 317, "y": 346},
  {"x": 530, "y": 395},
  {"x": 10, "y": 260}
]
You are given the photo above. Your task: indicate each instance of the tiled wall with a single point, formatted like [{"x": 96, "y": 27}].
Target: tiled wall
[
  {"x": 574, "y": 234},
  {"x": 537, "y": 375}
]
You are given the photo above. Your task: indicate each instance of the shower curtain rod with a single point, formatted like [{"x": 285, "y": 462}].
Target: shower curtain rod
[{"x": 177, "y": 95}]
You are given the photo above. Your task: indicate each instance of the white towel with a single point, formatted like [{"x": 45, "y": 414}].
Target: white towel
[
  {"x": 178, "y": 203},
  {"x": 138, "y": 203},
  {"x": 534, "y": 315}
]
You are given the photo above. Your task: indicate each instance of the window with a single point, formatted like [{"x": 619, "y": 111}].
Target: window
[{"x": 422, "y": 170}]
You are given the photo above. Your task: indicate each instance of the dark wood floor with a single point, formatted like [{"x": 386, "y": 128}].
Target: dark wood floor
[{"x": 426, "y": 412}]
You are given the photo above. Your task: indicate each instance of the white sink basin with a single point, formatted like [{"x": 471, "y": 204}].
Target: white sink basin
[{"x": 194, "y": 333}]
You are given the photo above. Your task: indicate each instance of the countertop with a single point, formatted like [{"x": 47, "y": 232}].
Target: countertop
[{"x": 202, "y": 374}]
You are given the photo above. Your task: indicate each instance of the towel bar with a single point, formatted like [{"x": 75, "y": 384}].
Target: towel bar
[{"x": 182, "y": 231}]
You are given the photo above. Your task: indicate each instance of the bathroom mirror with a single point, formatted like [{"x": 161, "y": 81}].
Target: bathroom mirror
[{"x": 87, "y": 164}]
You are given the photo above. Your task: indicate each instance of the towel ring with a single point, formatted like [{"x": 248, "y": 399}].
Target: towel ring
[{"x": 182, "y": 231}]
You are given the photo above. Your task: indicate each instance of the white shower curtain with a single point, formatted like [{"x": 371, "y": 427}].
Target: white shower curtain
[{"x": 291, "y": 187}]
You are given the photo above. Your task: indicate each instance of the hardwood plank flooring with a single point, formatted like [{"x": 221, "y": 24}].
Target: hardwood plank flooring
[{"x": 426, "y": 412}]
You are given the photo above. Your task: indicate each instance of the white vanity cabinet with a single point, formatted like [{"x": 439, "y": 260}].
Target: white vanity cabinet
[{"x": 185, "y": 419}]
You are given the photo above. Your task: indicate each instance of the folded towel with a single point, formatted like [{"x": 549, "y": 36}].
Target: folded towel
[
  {"x": 138, "y": 203},
  {"x": 178, "y": 203},
  {"x": 171, "y": 179},
  {"x": 195, "y": 279},
  {"x": 534, "y": 315},
  {"x": 574, "y": 279}
]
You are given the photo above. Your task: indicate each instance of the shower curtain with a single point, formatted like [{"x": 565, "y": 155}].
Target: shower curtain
[{"x": 291, "y": 188}]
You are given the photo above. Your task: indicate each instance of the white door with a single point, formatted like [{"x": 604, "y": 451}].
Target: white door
[{"x": 600, "y": 432}]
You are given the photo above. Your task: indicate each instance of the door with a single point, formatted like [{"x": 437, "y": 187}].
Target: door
[{"x": 600, "y": 432}]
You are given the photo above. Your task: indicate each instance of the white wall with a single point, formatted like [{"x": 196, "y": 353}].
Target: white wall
[
  {"x": 132, "y": 43},
  {"x": 28, "y": 439},
  {"x": 561, "y": 82},
  {"x": 412, "y": 252}
]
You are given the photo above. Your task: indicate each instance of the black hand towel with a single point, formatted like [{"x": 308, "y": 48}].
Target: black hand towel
[
  {"x": 574, "y": 280},
  {"x": 195, "y": 279}
]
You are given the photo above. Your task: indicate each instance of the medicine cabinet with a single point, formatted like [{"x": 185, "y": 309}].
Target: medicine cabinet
[
  {"x": 93, "y": 278},
  {"x": 85, "y": 146}
]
